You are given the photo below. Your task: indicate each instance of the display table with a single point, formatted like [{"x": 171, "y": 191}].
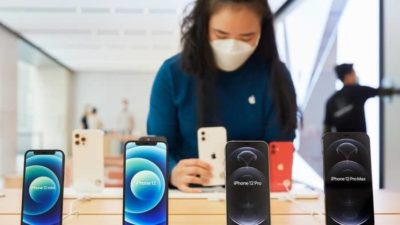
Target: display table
[{"x": 200, "y": 211}]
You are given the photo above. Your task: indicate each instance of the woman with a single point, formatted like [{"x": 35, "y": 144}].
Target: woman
[{"x": 228, "y": 74}]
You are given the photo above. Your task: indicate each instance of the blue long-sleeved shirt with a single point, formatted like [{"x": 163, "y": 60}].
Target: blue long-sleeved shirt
[{"x": 244, "y": 107}]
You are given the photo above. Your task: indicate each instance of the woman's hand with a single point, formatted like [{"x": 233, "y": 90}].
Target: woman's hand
[{"x": 190, "y": 171}]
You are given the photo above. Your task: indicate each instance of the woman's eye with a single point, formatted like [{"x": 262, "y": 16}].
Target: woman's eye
[
  {"x": 246, "y": 39},
  {"x": 221, "y": 37}
]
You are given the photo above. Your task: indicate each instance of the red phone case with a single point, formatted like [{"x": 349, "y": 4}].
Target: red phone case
[{"x": 280, "y": 166}]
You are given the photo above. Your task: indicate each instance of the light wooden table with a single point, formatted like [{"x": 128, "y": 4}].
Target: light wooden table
[{"x": 200, "y": 211}]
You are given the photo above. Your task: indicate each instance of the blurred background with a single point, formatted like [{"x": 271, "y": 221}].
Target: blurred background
[{"x": 63, "y": 60}]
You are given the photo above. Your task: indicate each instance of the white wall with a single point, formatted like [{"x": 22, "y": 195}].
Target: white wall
[
  {"x": 392, "y": 109},
  {"x": 106, "y": 90},
  {"x": 8, "y": 102}
]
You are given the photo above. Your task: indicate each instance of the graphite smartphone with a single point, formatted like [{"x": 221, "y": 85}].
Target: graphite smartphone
[
  {"x": 348, "y": 179},
  {"x": 280, "y": 166},
  {"x": 247, "y": 183},
  {"x": 211, "y": 144},
  {"x": 42, "y": 190},
  {"x": 145, "y": 199},
  {"x": 88, "y": 146}
]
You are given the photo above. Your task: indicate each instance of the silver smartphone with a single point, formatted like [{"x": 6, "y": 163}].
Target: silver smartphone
[
  {"x": 88, "y": 160},
  {"x": 211, "y": 145}
]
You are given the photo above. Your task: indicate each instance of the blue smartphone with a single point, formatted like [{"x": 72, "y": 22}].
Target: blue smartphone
[
  {"x": 42, "y": 191},
  {"x": 145, "y": 183}
]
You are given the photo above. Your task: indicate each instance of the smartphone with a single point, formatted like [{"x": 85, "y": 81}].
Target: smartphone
[
  {"x": 43, "y": 187},
  {"x": 280, "y": 166},
  {"x": 211, "y": 144},
  {"x": 88, "y": 146},
  {"x": 247, "y": 183},
  {"x": 348, "y": 179},
  {"x": 145, "y": 199}
]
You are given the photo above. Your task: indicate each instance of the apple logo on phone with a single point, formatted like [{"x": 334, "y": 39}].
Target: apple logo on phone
[{"x": 213, "y": 156}]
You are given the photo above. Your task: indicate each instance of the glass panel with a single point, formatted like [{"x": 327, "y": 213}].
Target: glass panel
[{"x": 43, "y": 102}]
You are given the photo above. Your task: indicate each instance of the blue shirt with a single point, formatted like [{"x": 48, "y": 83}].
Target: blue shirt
[{"x": 244, "y": 107}]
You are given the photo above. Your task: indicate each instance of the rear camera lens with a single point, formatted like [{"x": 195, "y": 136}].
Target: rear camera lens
[{"x": 77, "y": 142}]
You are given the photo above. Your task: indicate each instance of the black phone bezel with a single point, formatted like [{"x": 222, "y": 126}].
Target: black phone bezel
[
  {"x": 154, "y": 141},
  {"x": 61, "y": 197}
]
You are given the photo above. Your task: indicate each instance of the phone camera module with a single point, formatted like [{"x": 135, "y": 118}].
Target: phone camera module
[{"x": 273, "y": 149}]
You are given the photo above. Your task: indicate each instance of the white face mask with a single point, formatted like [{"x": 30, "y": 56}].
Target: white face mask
[{"x": 230, "y": 54}]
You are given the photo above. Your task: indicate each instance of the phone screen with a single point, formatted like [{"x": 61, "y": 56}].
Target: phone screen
[
  {"x": 348, "y": 180},
  {"x": 247, "y": 183},
  {"x": 43, "y": 187},
  {"x": 145, "y": 183}
]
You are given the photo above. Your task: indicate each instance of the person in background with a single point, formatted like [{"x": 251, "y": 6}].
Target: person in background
[
  {"x": 94, "y": 121},
  {"x": 84, "y": 120},
  {"x": 228, "y": 74},
  {"x": 125, "y": 121},
  {"x": 345, "y": 109}
]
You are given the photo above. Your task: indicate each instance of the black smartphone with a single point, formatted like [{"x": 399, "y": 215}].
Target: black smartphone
[
  {"x": 43, "y": 187},
  {"x": 247, "y": 183},
  {"x": 348, "y": 179},
  {"x": 145, "y": 199}
]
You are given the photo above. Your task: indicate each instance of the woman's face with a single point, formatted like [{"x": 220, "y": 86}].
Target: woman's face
[{"x": 235, "y": 22}]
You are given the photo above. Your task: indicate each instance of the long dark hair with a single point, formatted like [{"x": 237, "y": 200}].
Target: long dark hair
[{"x": 198, "y": 59}]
